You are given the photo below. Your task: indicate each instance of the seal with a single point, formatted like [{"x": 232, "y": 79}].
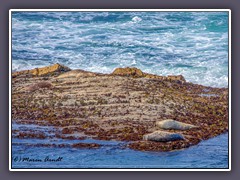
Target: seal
[
  {"x": 162, "y": 136},
  {"x": 173, "y": 124}
]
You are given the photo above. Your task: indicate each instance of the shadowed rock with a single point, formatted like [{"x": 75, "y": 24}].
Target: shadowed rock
[
  {"x": 172, "y": 124},
  {"x": 162, "y": 136}
]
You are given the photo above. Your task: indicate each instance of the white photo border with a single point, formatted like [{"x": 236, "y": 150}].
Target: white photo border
[{"x": 118, "y": 10}]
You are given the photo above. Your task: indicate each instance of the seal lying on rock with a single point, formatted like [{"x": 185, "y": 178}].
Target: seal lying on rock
[
  {"x": 172, "y": 124},
  {"x": 162, "y": 136}
]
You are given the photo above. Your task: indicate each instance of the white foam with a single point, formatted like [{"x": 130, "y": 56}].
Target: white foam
[
  {"x": 136, "y": 19},
  {"x": 190, "y": 50}
]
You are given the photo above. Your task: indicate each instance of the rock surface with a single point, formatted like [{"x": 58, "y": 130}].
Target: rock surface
[
  {"x": 49, "y": 70},
  {"x": 162, "y": 136},
  {"x": 179, "y": 78},
  {"x": 133, "y": 72},
  {"x": 175, "y": 125},
  {"x": 77, "y": 74},
  {"x": 40, "y": 85},
  {"x": 124, "y": 105},
  {"x": 137, "y": 73}
]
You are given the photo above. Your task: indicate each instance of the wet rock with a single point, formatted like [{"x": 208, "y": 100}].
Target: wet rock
[
  {"x": 162, "y": 136},
  {"x": 172, "y": 124},
  {"x": 86, "y": 145},
  {"x": 132, "y": 72}
]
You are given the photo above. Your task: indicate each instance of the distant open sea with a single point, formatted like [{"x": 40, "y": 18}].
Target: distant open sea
[{"x": 194, "y": 44}]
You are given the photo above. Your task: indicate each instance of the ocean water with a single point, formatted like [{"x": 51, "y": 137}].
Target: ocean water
[
  {"x": 212, "y": 153},
  {"x": 194, "y": 44}
]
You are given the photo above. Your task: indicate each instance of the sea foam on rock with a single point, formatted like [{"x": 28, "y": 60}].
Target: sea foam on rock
[
  {"x": 162, "y": 136},
  {"x": 173, "y": 124}
]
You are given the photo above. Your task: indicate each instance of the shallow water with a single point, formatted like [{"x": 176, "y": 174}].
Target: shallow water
[
  {"x": 194, "y": 44},
  {"x": 212, "y": 153}
]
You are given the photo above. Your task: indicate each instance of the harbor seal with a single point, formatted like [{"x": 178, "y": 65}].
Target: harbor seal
[
  {"x": 162, "y": 136},
  {"x": 172, "y": 124}
]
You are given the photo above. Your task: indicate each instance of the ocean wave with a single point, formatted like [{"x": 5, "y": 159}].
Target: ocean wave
[
  {"x": 192, "y": 44},
  {"x": 136, "y": 19}
]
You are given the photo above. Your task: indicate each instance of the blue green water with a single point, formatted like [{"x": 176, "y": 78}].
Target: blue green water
[{"x": 194, "y": 44}]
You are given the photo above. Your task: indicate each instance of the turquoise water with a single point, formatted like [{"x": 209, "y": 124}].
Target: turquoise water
[{"x": 194, "y": 44}]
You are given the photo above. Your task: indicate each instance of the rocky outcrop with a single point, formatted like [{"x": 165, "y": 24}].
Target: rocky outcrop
[
  {"x": 132, "y": 72},
  {"x": 162, "y": 136},
  {"x": 137, "y": 73},
  {"x": 124, "y": 105},
  {"x": 153, "y": 76},
  {"x": 48, "y": 70},
  {"x": 175, "y": 125}
]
